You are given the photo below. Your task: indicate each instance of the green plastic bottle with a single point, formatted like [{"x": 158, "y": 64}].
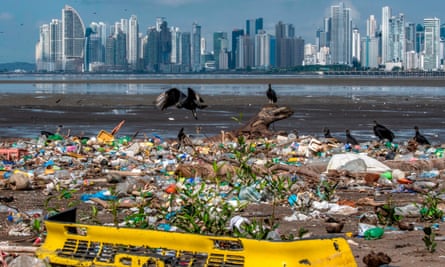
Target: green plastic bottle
[{"x": 373, "y": 233}]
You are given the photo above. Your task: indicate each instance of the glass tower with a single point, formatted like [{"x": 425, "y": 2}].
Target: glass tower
[
  {"x": 432, "y": 43},
  {"x": 341, "y": 34},
  {"x": 73, "y": 39}
]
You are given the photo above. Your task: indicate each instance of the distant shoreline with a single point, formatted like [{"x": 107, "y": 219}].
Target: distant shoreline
[{"x": 436, "y": 81}]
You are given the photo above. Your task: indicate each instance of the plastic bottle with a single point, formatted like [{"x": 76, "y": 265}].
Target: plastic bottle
[
  {"x": 250, "y": 193},
  {"x": 373, "y": 233}
]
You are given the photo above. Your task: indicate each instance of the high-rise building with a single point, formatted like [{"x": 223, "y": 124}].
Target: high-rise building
[
  {"x": 100, "y": 31},
  {"x": 121, "y": 51},
  {"x": 263, "y": 50},
  {"x": 289, "y": 51},
  {"x": 185, "y": 51},
  {"x": 196, "y": 47},
  {"x": 73, "y": 39},
  {"x": 356, "y": 53},
  {"x": 133, "y": 42},
  {"x": 176, "y": 41},
  {"x": 369, "y": 52},
  {"x": 442, "y": 31},
  {"x": 371, "y": 26},
  {"x": 165, "y": 41},
  {"x": 410, "y": 37},
  {"x": 386, "y": 15},
  {"x": 420, "y": 38},
  {"x": 93, "y": 56},
  {"x": 396, "y": 44},
  {"x": 432, "y": 44},
  {"x": 245, "y": 52},
  {"x": 42, "y": 55},
  {"x": 110, "y": 60},
  {"x": 220, "y": 43},
  {"x": 341, "y": 35},
  {"x": 152, "y": 50},
  {"x": 236, "y": 34},
  {"x": 253, "y": 26}
]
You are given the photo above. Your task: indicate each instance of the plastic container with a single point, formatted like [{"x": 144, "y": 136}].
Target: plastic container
[
  {"x": 374, "y": 233},
  {"x": 105, "y": 137},
  {"x": 249, "y": 193}
]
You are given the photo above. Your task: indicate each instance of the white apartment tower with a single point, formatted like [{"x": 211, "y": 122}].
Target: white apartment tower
[
  {"x": 432, "y": 44},
  {"x": 371, "y": 26},
  {"x": 386, "y": 15},
  {"x": 356, "y": 45},
  {"x": 262, "y": 50},
  {"x": 133, "y": 42}
]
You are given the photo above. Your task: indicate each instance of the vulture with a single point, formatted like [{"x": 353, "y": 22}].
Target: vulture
[
  {"x": 271, "y": 95},
  {"x": 174, "y": 97},
  {"x": 382, "y": 132},
  {"x": 419, "y": 138}
]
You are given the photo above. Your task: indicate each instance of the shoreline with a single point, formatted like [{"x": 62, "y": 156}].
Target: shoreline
[
  {"x": 86, "y": 114},
  {"x": 433, "y": 81}
]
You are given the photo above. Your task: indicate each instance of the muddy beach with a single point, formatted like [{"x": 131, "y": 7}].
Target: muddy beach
[{"x": 24, "y": 116}]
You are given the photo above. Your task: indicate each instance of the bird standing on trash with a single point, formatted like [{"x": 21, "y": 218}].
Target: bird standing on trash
[
  {"x": 271, "y": 95},
  {"x": 327, "y": 133},
  {"x": 174, "y": 96},
  {"x": 419, "y": 138},
  {"x": 350, "y": 139},
  {"x": 183, "y": 139},
  {"x": 382, "y": 132}
]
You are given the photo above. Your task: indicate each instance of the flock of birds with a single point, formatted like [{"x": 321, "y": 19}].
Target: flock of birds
[
  {"x": 382, "y": 133},
  {"x": 193, "y": 101}
]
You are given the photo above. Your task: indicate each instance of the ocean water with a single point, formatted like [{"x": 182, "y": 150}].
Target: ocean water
[
  {"x": 86, "y": 87},
  {"x": 32, "y": 84}
]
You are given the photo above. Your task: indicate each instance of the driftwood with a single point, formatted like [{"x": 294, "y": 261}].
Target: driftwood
[
  {"x": 258, "y": 126},
  {"x": 416, "y": 166}
]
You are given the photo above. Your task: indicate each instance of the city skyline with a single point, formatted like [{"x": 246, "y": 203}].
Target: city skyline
[{"x": 17, "y": 23}]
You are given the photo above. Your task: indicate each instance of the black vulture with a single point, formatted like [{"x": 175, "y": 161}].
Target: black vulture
[
  {"x": 271, "y": 95},
  {"x": 382, "y": 132},
  {"x": 350, "y": 139},
  {"x": 327, "y": 132},
  {"x": 174, "y": 96},
  {"x": 419, "y": 138},
  {"x": 183, "y": 139}
]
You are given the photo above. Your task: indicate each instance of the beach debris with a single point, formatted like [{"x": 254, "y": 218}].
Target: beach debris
[{"x": 152, "y": 181}]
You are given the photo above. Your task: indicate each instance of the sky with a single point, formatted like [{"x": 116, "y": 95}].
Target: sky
[{"x": 20, "y": 20}]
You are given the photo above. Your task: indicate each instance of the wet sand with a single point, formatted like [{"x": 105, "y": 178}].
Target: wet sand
[{"x": 84, "y": 114}]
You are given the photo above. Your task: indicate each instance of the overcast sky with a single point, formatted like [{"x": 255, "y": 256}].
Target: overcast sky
[{"x": 20, "y": 19}]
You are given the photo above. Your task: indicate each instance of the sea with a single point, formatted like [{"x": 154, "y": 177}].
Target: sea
[{"x": 23, "y": 83}]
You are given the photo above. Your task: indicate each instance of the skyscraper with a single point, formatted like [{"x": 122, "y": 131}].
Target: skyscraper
[
  {"x": 371, "y": 26},
  {"x": 73, "y": 39},
  {"x": 165, "y": 40},
  {"x": 236, "y": 34},
  {"x": 262, "y": 50},
  {"x": 386, "y": 15},
  {"x": 220, "y": 43},
  {"x": 133, "y": 42},
  {"x": 341, "y": 35},
  {"x": 245, "y": 55},
  {"x": 410, "y": 37},
  {"x": 43, "y": 48},
  {"x": 100, "y": 30},
  {"x": 253, "y": 26},
  {"x": 356, "y": 53},
  {"x": 432, "y": 43},
  {"x": 176, "y": 41},
  {"x": 196, "y": 48},
  {"x": 396, "y": 46},
  {"x": 185, "y": 51},
  {"x": 289, "y": 51},
  {"x": 420, "y": 38}
]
